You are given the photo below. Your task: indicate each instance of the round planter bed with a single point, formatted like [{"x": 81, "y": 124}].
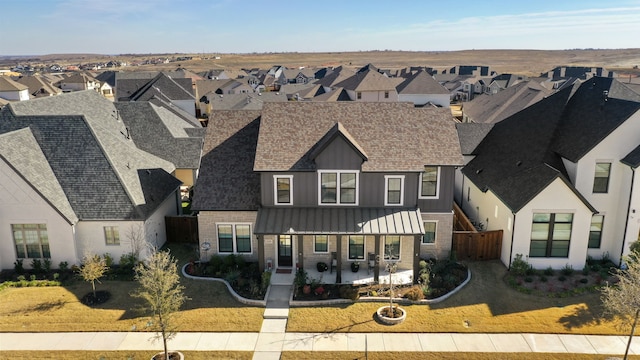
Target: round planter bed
[{"x": 382, "y": 316}]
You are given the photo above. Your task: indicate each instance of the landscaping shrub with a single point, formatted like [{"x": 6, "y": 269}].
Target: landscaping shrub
[
  {"x": 549, "y": 271},
  {"x": 349, "y": 292},
  {"x": 36, "y": 265},
  {"x": 519, "y": 266},
  {"x": 567, "y": 270},
  {"x": 585, "y": 270},
  {"x": 63, "y": 266},
  {"x": 415, "y": 293},
  {"x": 18, "y": 267},
  {"x": 108, "y": 259}
]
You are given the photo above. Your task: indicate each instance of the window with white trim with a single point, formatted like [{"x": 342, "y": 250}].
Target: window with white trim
[
  {"x": 283, "y": 189},
  {"x": 429, "y": 180},
  {"x": 234, "y": 238},
  {"x": 429, "y": 236},
  {"x": 111, "y": 235},
  {"x": 356, "y": 247},
  {"x": 321, "y": 244},
  {"x": 393, "y": 190},
  {"x": 338, "y": 187},
  {"x": 31, "y": 241},
  {"x": 392, "y": 247}
]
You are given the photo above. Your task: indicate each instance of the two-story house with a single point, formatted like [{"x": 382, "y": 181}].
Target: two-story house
[
  {"x": 300, "y": 182},
  {"x": 559, "y": 176}
]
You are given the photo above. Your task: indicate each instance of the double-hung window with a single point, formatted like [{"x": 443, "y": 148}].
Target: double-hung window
[
  {"x": 429, "y": 236},
  {"x": 321, "y": 244},
  {"x": 283, "y": 189},
  {"x": 601, "y": 177},
  {"x": 356, "y": 247},
  {"x": 394, "y": 190},
  {"x": 31, "y": 241},
  {"x": 595, "y": 231},
  {"x": 429, "y": 180},
  {"x": 550, "y": 235},
  {"x": 338, "y": 187},
  {"x": 111, "y": 235},
  {"x": 392, "y": 247},
  {"x": 234, "y": 238}
]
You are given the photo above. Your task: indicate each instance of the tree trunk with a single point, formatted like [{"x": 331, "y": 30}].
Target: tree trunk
[{"x": 633, "y": 330}]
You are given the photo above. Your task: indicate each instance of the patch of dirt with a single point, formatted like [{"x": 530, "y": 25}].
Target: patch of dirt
[{"x": 558, "y": 284}]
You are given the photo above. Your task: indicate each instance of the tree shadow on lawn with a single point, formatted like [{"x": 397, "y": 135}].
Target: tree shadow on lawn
[{"x": 487, "y": 286}]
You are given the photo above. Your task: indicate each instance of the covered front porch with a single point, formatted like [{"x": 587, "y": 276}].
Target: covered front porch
[{"x": 291, "y": 238}]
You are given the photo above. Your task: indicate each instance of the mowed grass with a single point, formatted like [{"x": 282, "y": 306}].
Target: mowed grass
[
  {"x": 486, "y": 305},
  {"x": 58, "y": 309}
]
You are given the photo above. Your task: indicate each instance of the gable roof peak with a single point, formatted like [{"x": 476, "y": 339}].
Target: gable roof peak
[{"x": 337, "y": 130}]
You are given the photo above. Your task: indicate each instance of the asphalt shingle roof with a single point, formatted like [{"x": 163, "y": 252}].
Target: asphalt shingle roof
[
  {"x": 369, "y": 80},
  {"x": 470, "y": 135},
  {"x": 226, "y": 180},
  {"x": 86, "y": 146},
  {"x": 395, "y": 136},
  {"x": 421, "y": 83}
]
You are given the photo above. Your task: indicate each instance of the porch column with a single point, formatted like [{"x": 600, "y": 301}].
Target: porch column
[
  {"x": 300, "y": 251},
  {"x": 261, "y": 252},
  {"x": 339, "y": 256},
  {"x": 416, "y": 257},
  {"x": 376, "y": 269}
]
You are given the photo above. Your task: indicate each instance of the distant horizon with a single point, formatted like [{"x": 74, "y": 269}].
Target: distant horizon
[{"x": 39, "y": 28}]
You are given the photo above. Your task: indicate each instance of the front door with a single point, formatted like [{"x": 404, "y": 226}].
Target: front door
[{"x": 284, "y": 250}]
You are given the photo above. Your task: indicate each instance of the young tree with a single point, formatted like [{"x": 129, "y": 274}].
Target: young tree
[
  {"x": 93, "y": 268},
  {"x": 162, "y": 293},
  {"x": 622, "y": 300}
]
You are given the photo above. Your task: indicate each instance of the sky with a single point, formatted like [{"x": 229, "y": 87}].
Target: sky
[{"x": 37, "y": 27}]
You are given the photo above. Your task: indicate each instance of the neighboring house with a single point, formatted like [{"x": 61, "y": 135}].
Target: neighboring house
[
  {"x": 580, "y": 72},
  {"x": 292, "y": 184},
  {"x": 497, "y": 107},
  {"x": 12, "y": 90},
  {"x": 370, "y": 85},
  {"x": 333, "y": 77},
  {"x": 79, "y": 82},
  {"x": 559, "y": 177},
  {"x": 470, "y": 70},
  {"x": 250, "y": 101},
  {"x": 39, "y": 86},
  {"x": 160, "y": 132},
  {"x": 337, "y": 94},
  {"x": 72, "y": 182},
  {"x": 176, "y": 91},
  {"x": 422, "y": 89}
]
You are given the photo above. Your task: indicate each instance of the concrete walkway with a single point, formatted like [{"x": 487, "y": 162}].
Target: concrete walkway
[{"x": 269, "y": 344}]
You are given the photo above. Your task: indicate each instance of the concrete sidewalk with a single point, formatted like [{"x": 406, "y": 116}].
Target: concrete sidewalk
[{"x": 278, "y": 341}]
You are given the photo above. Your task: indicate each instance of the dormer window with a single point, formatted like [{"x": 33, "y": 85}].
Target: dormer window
[
  {"x": 338, "y": 187},
  {"x": 429, "y": 180},
  {"x": 283, "y": 189}
]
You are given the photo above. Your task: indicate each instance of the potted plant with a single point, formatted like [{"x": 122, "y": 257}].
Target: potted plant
[
  {"x": 322, "y": 266},
  {"x": 355, "y": 266}
]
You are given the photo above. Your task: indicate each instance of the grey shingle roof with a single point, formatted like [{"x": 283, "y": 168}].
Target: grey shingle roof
[
  {"x": 395, "y": 136},
  {"x": 164, "y": 86},
  {"x": 421, "y": 83},
  {"x": 335, "y": 76},
  {"x": 158, "y": 131},
  {"x": 21, "y": 151},
  {"x": 369, "y": 80},
  {"x": 633, "y": 158},
  {"x": 6, "y": 84},
  {"x": 38, "y": 86},
  {"x": 226, "y": 180},
  {"x": 470, "y": 135},
  {"x": 522, "y": 154},
  {"x": 87, "y": 149},
  {"x": 248, "y": 101}
]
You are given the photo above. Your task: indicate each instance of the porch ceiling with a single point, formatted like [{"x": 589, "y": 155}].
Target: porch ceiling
[{"x": 386, "y": 221}]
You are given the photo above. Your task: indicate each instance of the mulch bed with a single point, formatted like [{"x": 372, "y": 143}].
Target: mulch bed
[{"x": 100, "y": 298}]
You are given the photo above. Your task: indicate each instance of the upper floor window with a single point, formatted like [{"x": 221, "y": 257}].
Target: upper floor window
[
  {"x": 429, "y": 180},
  {"x": 394, "y": 190},
  {"x": 111, "y": 235},
  {"x": 283, "y": 189},
  {"x": 550, "y": 235},
  {"x": 386, "y": 94},
  {"x": 31, "y": 241},
  {"x": 595, "y": 231},
  {"x": 234, "y": 238},
  {"x": 601, "y": 178},
  {"x": 359, "y": 95},
  {"x": 338, "y": 187}
]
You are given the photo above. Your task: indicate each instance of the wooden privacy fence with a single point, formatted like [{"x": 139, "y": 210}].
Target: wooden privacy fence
[
  {"x": 182, "y": 229},
  {"x": 471, "y": 245}
]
